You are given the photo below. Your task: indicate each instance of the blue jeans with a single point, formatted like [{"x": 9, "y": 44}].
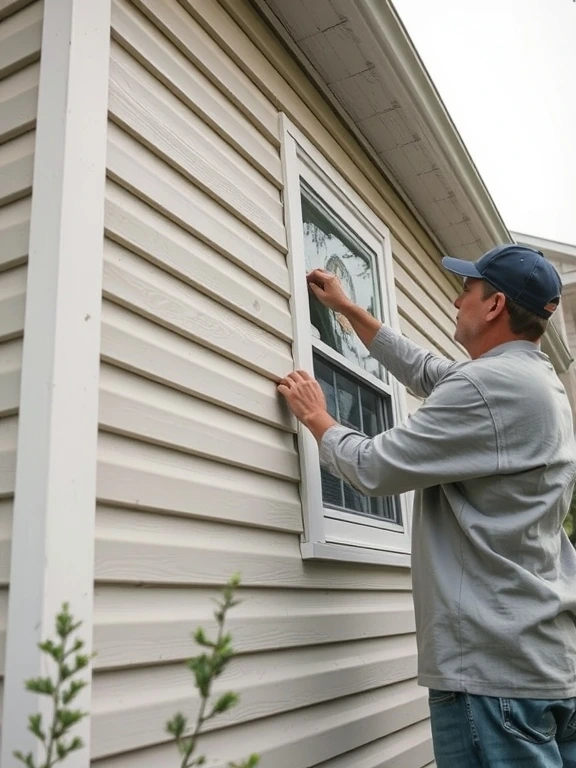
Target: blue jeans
[{"x": 486, "y": 732}]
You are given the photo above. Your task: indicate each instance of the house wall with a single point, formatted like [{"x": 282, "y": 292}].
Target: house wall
[
  {"x": 197, "y": 465},
  {"x": 20, "y": 39}
]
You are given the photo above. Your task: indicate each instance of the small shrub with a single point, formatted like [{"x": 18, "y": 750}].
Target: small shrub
[
  {"x": 206, "y": 667},
  {"x": 62, "y": 689}
]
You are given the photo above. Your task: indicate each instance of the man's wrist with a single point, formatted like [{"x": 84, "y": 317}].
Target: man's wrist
[
  {"x": 347, "y": 308},
  {"x": 318, "y": 423}
]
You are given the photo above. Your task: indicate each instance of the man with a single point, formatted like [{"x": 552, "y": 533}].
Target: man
[{"x": 492, "y": 457}]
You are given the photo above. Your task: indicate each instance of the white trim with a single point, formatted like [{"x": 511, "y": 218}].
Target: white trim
[
  {"x": 310, "y": 483},
  {"x": 360, "y": 555},
  {"x": 350, "y": 365},
  {"x": 53, "y": 534},
  {"x": 301, "y": 160}
]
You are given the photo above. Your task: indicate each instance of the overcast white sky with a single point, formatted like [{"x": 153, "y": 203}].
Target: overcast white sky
[{"x": 506, "y": 70}]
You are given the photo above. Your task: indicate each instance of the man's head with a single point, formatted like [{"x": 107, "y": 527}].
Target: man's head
[{"x": 509, "y": 294}]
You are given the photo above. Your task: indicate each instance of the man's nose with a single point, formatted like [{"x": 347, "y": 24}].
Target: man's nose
[{"x": 457, "y": 302}]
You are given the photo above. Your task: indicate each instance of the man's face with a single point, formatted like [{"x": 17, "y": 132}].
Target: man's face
[{"x": 471, "y": 318}]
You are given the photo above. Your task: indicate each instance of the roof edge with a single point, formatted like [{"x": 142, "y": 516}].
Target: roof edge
[
  {"x": 391, "y": 35},
  {"x": 557, "y": 251}
]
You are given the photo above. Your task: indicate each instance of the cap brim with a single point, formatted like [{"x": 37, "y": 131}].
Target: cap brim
[{"x": 460, "y": 267}]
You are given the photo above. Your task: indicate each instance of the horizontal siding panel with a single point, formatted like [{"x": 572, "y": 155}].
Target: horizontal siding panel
[
  {"x": 412, "y": 332},
  {"x": 18, "y": 102},
  {"x": 149, "y": 111},
  {"x": 302, "y": 738},
  {"x": 134, "y": 406},
  {"x": 143, "y": 230},
  {"x": 430, "y": 334},
  {"x": 209, "y": 57},
  {"x": 141, "y": 286},
  {"x": 148, "y": 177},
  {"x": 135, "y": 626},
  {"x": 170, "y": 66},
  {"x": 5, "y": 537},
  {"x": 8, "y": 442},
  {"x": 432, "y": 306},
  {"x": 408, "y": 748},
  {"x": 16, "y": 167},
  {"x": 12, "y": 302},
  {"x": 427, "y": 326},
  {"x": 10, "y": 372},
  {"x": 139, "y": 475},
  {"x": 428, "y": 273},
  {"x": 20, "y": 38},
  {"x": 137, "y": 547},
  {"x": 14, "y": 233},
  {"x": 142, "y": 346},
  {"x": 268, "y": 684}
]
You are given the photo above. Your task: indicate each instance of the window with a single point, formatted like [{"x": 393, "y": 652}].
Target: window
[{"x": 330, "y": 227}]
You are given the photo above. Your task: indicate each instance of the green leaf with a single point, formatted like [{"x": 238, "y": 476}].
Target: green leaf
[
  {"x": 66, "y": 718},
  {"x": 63, "y": 749},
  {"x": 74, "y": 689},
  {"x": 42, "y": 685},
  {"x": 64, "y": 622},
  {"x": 224, "y": 703},
  {"x": 251, "y": 762},
  {"x": 47, "y": 647},
  {"x": 177, "y": 725},
  {"x": 82, "y": 661},
  {"x": 187, "y": 746},
  {"x": 35, "y": 727},
  {"x": 201, "y": 639},
  {"x": 202, "y": 668},
  {"x": 26, "y": 759}
]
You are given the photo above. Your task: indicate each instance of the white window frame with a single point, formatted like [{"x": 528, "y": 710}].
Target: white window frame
[{"x": 333, "y": 534}]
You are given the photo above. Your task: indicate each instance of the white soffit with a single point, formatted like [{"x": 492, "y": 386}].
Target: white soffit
[{"x": 359, "y": 53}]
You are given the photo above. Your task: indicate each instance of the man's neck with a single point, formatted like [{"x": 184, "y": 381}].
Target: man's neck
[{"x": 488, "y": 343}]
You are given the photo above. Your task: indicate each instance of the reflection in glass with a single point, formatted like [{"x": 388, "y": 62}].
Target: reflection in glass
[
  {"x": 328, "y": 244},
  {"x": 357, "y": 406}
]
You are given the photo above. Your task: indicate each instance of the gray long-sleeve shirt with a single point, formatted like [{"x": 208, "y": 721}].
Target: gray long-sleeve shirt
[{"x": 492, "y": 456}]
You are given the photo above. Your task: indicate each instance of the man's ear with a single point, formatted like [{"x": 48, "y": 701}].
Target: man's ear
[{"x": 496, "y": 305}]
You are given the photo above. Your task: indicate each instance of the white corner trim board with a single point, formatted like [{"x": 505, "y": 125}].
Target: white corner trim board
[{"x": 53, "y": 536}]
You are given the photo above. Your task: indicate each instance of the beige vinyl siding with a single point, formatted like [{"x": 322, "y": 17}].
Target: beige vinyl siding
[
  {"x": 197, "y": 467},
  {"x": 20, "y": 39}
]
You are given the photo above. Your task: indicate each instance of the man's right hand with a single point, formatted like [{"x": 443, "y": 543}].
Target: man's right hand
[{"x": 328, "y": 290}]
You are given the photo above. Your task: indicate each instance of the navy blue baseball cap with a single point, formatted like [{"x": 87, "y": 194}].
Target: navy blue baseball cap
[{"x": 520, "y": 273}]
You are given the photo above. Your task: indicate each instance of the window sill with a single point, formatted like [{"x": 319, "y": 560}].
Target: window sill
[{"x": 361, "y": 555}]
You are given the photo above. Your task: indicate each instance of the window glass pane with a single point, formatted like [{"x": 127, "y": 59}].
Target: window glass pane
[
  {"x": 325, "y": 377},
  {"x": 359, "y": 407},
  {"x": 332, "y": 488},
  {"x": 356, "y": 501},
  {"x": 329, "y": 245},
  {"x": 371, "y": 420},
  {"x": 348, "y": 397}
]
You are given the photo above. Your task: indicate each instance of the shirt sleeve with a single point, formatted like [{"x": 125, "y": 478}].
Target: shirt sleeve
[
  {"x": 413, "y": 366},
  {"x": 451, "y": 438}
]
